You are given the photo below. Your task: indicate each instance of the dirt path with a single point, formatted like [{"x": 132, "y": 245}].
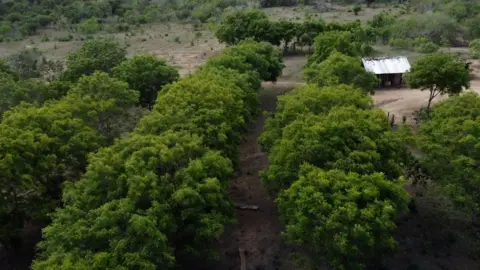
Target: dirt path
[{"x": 258, "y": 232}]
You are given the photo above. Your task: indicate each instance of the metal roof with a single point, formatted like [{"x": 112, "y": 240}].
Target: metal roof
[{"x": 386, "y": 65}]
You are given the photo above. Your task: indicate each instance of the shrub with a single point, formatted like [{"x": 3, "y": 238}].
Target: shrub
[
  {"x": 475, "y": 48},
  {"x": 357, "y": 9},
  {"x": 401, "y": 43}
]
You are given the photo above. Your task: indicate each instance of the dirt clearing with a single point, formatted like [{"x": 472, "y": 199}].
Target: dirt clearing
[{"x": 257, "y": 232}]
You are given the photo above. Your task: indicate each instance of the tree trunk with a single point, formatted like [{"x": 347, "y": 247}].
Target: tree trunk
[{"x": 430, "y": 98}]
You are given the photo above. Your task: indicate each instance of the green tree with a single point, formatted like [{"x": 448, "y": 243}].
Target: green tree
[
  {"x": 165, "y": 182},
  {"x": 449, "y": 142},
  {"x": 343, "y": 41},
  {"x": 439, "y": 74},
  {"x": 262, "y": 56},
  {"x": 241, "y": 25},
  {"x": 5, "y": 28},
  {"x": 99, "y": 54},
  {"x": 41, "y": 147},
  {"x": 90, "y": 26},
  {"x": 32, "y": 91},
  {"x": 475, "y": 48},
  {"x": 146, "y": 74},
  {"x": 341, "y": 69},
  {"x": 346, "y": 138},
  {"x": 345, "y": 220},
  {"x": 7, "y": 70},
  {"x": 309, "y": 99},
  {"x": 143, "y": 202},
  {"x": 288, "y": 30}
]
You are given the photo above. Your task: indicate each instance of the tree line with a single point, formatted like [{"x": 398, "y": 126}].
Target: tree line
[
  {"x": 152, "y": 198},
  {"x": 49, "y": 128},
  {"x": 243, "y": 24},
  {"x": 24, "y": 18}
]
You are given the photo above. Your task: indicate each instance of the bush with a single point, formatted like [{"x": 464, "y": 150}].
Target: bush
[
  {"x": 475, "y": 48},
  {"x": 67, "y": 38},
  {"x": 357, "y": 9},
  {"x": 401, "y": 43},
  {"x": 428, "y": 47},
  {"x": 434, "y": 26}
]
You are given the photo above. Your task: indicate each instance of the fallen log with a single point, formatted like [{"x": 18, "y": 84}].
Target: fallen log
[
  {"x": 243, "y": 265},
  {"x": 247, "y": 207}
]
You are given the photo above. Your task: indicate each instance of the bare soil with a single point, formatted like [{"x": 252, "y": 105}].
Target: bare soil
[{"x": 257, "y": 232}]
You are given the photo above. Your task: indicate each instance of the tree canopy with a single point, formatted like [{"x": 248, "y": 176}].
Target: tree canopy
[
  {"x": 146, "y": 74},
  {"x": 344, "y": 42},
  {"x": 345, "y": 138},
  {"x": 158, "y": 196},
  {"x": 345, "y": 219},
  {"x": 450, "y": 141},
  {"x": 309, "y": 99},
  {"x": 101, "y": 54},
  {"x": 341, "y": 69},
  {"x": 43, "y": 146},
  {"x": 440, "y": 74}
]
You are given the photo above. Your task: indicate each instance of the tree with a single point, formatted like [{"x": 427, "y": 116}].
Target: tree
[
  {"x": 345, "y": 220},
  {"x": 146, "y": 74},
  {"x": 309, "y": 99},
  {"x": 342, "y": 41},
  {"x": 31, "y": 91},
  {"x": 475, "y": 48},
  {"x": 5, "y": 28},
  {"x": 241, "y": 24},
  {"x": 143, "y": 202},
  {"x": 41, "y": 147},
  {"x": 159, "y": 196},
  {"x": 107, "y": 102},
  {"x": 341, "y": 69},
  {"x": 99, "y": 54},
  {"x": 449, "y": 142},
  {"x": 439, "y": 74},
  {"x": 90, "y": 26},
  {"x": 7, "y": 70},
  {"x": 346, "y": 138},
  {"x": 288, "y": 30},
  {"x": 262, "y": 56}
]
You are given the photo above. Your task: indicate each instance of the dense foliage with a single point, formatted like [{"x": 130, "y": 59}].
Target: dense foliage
[
  {"x": 344, "y": 42},
  {"x": 345, "y": 138},
  {"x": 41, "y": 147},
  {"x": 99, "y": 54},
  {"x": 158, "y": 195},
  {"x": 254, "y": 24},
  {"x": 440, "y": 74},
  {"x": 24, "y": 17},
  {"x": 146, "y": 74},
  {"x": 306, "y": 100},
  {"x": 345, "y": 219},
  {"x": 335, "y": 164},
  {"x": 450, "y": 141},
  {"x": 340, "y": 69}
]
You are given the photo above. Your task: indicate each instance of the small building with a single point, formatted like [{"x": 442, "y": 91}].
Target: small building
[{"x": 389, "y": 70}]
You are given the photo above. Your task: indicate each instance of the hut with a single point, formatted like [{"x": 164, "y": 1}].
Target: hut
[{"x": 389, "y": 70}]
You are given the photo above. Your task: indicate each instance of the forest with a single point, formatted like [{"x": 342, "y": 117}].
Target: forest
[{"x": 113, "y": 158}]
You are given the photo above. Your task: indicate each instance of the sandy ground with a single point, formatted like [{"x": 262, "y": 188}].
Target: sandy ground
[{"x": 404, "y": 102}]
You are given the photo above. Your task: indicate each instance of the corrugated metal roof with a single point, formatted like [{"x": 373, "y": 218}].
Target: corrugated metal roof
[{"x": 386, "y": 65}]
